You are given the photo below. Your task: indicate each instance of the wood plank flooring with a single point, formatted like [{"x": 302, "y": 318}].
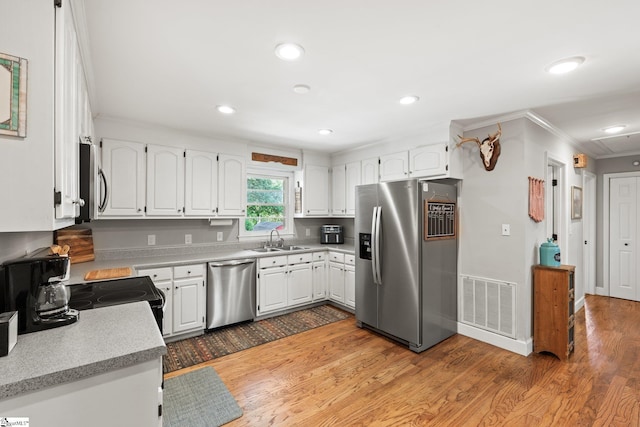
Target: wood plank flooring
[{"x": 340, "y": 375}]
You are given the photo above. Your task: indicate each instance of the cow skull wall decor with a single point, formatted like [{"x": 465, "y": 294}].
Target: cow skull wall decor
[{"x": 489, "y": 148}]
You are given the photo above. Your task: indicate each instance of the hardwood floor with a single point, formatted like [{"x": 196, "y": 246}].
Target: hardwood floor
[{"x": 345, "y": 376}]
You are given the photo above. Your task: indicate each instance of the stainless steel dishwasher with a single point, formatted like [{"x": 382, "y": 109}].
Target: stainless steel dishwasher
[{"x": 231, "y": 292}]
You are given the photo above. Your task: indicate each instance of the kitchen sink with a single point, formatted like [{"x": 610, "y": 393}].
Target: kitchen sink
[
  {"x": 280, "y": 249},
  {"x": 267, "y": 250}
]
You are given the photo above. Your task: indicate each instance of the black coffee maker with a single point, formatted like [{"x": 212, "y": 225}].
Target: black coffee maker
[{"x": 33, "y": 287}]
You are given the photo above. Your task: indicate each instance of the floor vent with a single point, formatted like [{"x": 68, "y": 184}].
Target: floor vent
[{"x": 489, "y": 304}]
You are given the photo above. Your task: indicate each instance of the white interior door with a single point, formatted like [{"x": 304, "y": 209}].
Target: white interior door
[{"x": 624, "y": 194}]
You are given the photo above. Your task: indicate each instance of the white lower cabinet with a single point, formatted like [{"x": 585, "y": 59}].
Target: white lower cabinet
[
  {"x": 272, "y": 285},
  {"x": 350, "y": 281},
  {"x": 319, "y": 275},
  {"x": 342, "y": 279},
  {"x": 284, "y": 281},
  {"x": 336, "y": 282},
  {"x": 185, "y": 297}
]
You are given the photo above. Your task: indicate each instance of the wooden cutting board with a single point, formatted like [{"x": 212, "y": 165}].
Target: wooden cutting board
[
  {"x": 108, "y": 273},
  {"x": 80, "y": 241}
]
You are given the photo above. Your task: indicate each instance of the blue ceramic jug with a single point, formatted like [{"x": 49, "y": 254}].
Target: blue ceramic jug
[{"x": 550, "y": 254}]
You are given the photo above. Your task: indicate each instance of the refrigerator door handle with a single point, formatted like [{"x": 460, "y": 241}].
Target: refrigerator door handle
[
  {"x": 376, "y": 238},
  {"x": 373, "y": 244}
]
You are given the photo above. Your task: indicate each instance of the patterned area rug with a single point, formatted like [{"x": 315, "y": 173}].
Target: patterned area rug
[{"x": 230, "y": 339}]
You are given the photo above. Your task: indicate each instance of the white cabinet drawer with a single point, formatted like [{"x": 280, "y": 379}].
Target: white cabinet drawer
[
  {"x": 336, "y": 257},
  {"x": 272, "y": 261},
  {"x": 319, "y": 256},
  {"x": 157, "y": 274},
  {"x": 186, "y": 271},
  {"x": 350, "y": 259},
  {"x": 299, "y": 258}
]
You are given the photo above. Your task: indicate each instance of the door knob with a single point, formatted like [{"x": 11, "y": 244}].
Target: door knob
[{"x": 626, "y": 244}]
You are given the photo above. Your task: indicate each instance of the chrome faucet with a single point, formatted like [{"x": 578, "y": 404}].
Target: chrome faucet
[{"x": 280, "y": 240}]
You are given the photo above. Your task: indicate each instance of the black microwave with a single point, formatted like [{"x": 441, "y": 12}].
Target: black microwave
[{"x": 88, "y": 175}]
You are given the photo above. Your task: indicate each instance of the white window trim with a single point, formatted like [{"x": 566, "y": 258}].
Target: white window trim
[{"x": 290, "y": 229}]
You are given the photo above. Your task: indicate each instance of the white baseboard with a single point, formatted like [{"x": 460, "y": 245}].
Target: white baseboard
[{"x": 523, "y": 348}]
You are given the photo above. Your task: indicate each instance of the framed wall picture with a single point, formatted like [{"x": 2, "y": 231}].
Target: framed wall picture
[
  {"x": 13, "y": 95},
  {"x": 576, "y": 202}
]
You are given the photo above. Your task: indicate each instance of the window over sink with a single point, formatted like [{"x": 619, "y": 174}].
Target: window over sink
[{"x": 269, "y": 204}]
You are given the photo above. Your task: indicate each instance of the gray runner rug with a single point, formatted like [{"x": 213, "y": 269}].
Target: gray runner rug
[{"x": 198, "y": 399}]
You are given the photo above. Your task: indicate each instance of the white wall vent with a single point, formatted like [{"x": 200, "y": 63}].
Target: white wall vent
[{"x": 489, "y": 304}]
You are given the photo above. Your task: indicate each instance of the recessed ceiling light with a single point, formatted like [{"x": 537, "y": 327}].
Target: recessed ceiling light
[
  {"x": 565, "y": 65},
  {"x": 225, "y": 109},
  {"x": 614, "y": 129},
  {"x": 289, "y": 51},
  {"x": 410, "y": 99},
  {"x": 301, "y": 89},
  {"x": 325, "y": 131}
]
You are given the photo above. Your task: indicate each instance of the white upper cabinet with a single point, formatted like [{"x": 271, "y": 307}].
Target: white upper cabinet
[
  {"x": 370, "y": 171},
  {"x": 70, "y": 92},
  {"x": 338, "y": 183},
  {"x": 394, "y": 166},
  {"x": 123, "y": 166},
  {"x": 165, "y": 181},
  {"x": 430, "y": 160},
  {"x": 232, "y": 189},
  {"x": 351, "y": 181},
  {"x": 315, "y": 194},
  {"x": 201, "y": 183},
  {"x": 435, "y": 160}
]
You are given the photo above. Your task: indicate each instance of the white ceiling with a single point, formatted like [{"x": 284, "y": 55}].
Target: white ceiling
[{"x": 171, "y": 62}]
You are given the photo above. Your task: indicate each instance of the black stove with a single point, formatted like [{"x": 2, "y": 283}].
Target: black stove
[{"x": 104, "y": 293}]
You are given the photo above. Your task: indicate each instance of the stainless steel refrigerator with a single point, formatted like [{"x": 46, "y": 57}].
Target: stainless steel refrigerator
[{"x": 406, "y": 260}]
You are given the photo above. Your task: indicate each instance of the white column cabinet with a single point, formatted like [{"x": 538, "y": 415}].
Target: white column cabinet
[
  {"x": 165, "y": 181},
  {"x": 232, "y": 191},
  {"x": 123, "y": 165},
  {"x": 201, "y": 183}
]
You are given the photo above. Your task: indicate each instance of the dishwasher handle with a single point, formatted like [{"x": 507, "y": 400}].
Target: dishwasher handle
[{"x": 232, "y": 262}]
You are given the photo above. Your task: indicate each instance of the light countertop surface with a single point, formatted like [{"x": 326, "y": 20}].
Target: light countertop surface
[
  {"x": 102, "y": 340},
  {"x": 159, "y": 259}
]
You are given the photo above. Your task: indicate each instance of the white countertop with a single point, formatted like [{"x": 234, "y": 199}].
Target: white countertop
[
  {"x": 102, "y": 340},
  {"x": 160, "y": 260}
]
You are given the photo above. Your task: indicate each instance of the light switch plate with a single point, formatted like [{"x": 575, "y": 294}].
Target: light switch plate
[
  {"x": 506, "y": 229},
  {"x": 307, "y": 232},
  {"x": 188, "y": 239},
  {"x": 220, "y": 236},
  {"x": 151, "y": 239}
]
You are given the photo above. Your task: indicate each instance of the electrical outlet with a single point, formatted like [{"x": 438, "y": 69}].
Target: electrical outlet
[
  {"x": 220, "y": 236},
  {"x": 506, "y": 229},
  {"x": 187, "y": 239},
  {"x": 307, "y": 232},
  {"x": 151, "y": 239}
]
